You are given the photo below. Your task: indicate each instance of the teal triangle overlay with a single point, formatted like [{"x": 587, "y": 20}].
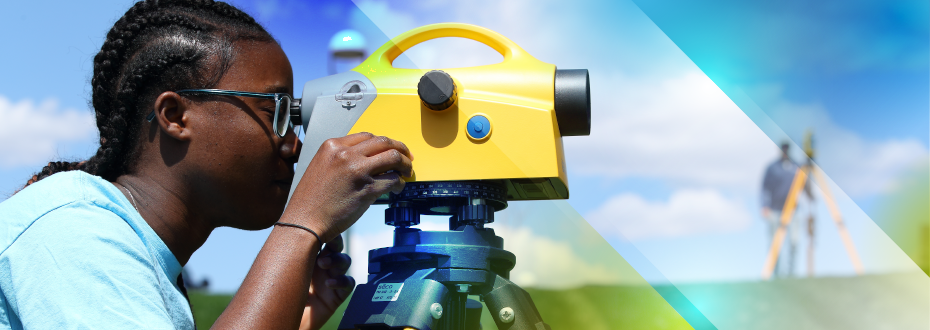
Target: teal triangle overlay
[
  {"x": 803, "y": 51},
  {"x": 874, "y": 54},
  {"x": 684, "y": 307},
  {"x": 659, "y": 282}
]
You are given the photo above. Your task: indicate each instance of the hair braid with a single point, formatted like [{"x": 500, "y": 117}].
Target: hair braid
[
  {"x": 156, "y": 46},
  {"x": 54, "y": 167}
]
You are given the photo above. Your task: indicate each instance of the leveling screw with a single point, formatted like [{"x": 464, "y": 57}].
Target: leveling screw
[
  {"x": 435, "y": 310},
  {"x": 506, "y": 315}
]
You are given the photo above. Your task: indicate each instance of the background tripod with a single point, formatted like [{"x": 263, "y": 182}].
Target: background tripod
[{"x": 800, "y": 180}]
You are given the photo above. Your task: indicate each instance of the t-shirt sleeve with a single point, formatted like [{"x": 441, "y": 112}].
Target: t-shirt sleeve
[{"x": 81, "y": 266}]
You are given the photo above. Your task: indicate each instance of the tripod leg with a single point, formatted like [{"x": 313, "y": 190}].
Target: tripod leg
[
  {"x": 473, "y": 315},
  {"x": 840, "y": 226},
  {"x": 810, "y": 246},
  {"x": 786, "y": 214},
  {"x": 457, "y": 312},
  {"x": 462, "y": 314},
  {"x": 513, "y": 308}
]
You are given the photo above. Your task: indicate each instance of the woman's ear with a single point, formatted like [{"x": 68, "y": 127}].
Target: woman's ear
[{"x": 172, "y": 115}]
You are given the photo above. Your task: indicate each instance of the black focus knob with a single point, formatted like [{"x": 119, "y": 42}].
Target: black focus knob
[{"x": 437, "y": 90}]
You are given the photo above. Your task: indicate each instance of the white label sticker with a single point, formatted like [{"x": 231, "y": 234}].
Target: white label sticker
[{"x": 387, "y": 292}]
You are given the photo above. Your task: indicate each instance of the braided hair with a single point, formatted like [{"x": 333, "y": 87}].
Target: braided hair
[{"x": 157, "y": 46}]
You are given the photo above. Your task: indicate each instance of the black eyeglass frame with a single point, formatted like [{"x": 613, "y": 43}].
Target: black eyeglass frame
[{"x": 280, "y": 129}]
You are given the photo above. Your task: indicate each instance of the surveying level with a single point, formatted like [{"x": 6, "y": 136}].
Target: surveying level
[{"x": 482, "y": 136}]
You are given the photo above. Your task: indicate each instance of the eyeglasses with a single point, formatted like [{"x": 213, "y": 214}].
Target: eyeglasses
[{"x": 284, "y": 104}]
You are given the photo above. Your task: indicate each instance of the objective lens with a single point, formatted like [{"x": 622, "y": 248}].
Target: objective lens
[{"x": 573, "y": 102}]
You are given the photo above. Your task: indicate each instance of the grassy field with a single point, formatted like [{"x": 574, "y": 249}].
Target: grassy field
[
  {"x": 893, "y": 302},
  {"x": 594, "y": 308},
  {"x": 207, "y": 307},
  {"x": 866, "y": 302}
]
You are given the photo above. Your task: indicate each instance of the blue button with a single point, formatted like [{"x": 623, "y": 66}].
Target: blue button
[{"x": 478, "y": 127}]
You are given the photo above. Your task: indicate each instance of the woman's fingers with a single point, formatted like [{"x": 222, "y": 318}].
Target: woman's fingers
[
  {"x": 354, "y": 139},
  {"x": 388, "y": 182},
  {"x": 378, "y": 144},
  {"x": 334, "y": 246},
  {"x": 341, "y": 283},
  {"x": 338, "y": 262},
  {"x": 390, "y": 160}
]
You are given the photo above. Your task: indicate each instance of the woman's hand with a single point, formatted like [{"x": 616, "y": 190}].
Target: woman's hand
[
  {"x": 329, "y": 287},
  {"x": 345, "y": 177}
]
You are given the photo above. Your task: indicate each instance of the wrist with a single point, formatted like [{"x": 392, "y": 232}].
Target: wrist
[
  {"x": 316, "y": 237},
  {"x": 310, "y": 222}
]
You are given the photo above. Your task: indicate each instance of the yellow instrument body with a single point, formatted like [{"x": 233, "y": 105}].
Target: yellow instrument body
[{"x": 523, "y": 148}]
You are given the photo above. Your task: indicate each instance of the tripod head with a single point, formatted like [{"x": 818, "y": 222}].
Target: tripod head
[{"x": 466, "y": 202}]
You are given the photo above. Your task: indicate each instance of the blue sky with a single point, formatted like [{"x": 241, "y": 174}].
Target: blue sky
[
  {"x": 864, "y": 64},
  {"x": 672, "y": 168},
  {"x": 859, "y": 58}
]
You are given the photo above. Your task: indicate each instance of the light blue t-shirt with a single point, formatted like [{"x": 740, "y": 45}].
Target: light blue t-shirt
[{"x": 75, "y": 254}]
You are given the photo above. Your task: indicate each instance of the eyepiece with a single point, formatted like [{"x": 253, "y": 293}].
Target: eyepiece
[{"x": 573, "y": 102}]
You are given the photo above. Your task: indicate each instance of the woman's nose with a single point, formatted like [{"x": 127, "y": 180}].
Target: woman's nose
[{"x": 290, "y": 147}]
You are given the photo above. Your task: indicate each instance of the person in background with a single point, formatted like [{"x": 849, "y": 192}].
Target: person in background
[{"x": 775, "y": 188}]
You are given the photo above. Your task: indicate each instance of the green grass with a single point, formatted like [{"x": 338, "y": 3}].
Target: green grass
[
  {"x": 893, "y": 301},
  {"x": 593, "y": 307},
  {"x": 207, "y": 307},
  {"x": 605, "y": 307},
  {"x": 888, "y": 301}
]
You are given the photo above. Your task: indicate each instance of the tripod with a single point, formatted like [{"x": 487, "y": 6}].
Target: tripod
[
  {"x": 424, "y": 280},
  {"x": 800, "y": 180}
]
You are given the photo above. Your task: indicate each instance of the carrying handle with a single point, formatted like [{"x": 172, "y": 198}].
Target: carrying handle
[{"x": 392, "y": 49}]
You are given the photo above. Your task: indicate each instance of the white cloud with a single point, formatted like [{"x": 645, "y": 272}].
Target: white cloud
[
  {"x": 683, "y": 129},
  {"x": 528, "y": 23},
  {"x": 687, "y": 131},
  {"x": 394, "y": 18},
  {"x": 542, "y": 262},
  {"x": 430, "y": 54},
  {"x": 861, "y": 167},
  {"x": 31, "y": 133},
  {"x": 867, "y": 168},
  {"x": 569, "y": 35},
  {"x": 687, "y": 212}
]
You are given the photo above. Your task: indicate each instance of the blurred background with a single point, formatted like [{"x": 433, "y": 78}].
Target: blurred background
[{"x": 691, "y": 101}]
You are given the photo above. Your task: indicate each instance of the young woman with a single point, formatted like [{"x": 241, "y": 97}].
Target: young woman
[{"x": 101, "y": 243}]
